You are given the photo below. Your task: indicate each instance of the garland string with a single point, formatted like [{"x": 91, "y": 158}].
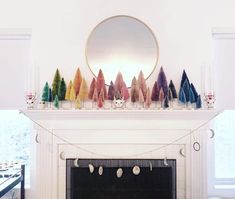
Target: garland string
[{"x": 126, "y": 156}]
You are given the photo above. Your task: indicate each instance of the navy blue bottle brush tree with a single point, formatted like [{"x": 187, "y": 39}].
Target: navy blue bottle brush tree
[{"x": 188, "y": 96}]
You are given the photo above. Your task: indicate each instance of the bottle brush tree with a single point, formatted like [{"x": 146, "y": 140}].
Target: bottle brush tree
[
  {"x": 148, "y": 100},
  {"x": 95, "y": 96},
  {"x": 142, "y": 84},
  {"x": 50, "y": 95},
  {"x": 182, "y": 97},
  {"x": 162, "y": 81},
  {"x": 119, "y": 82},
  {"x": 199, "y": 102},
  {"x": 184, "y": 78},
  {"x": 67, "y": 94},
  {"x": 83, "y": 92},
  {"x": 134, "y": 91},
  {"x": 62, "y": 90},
  {"x": 45, "y": 94},
  {"x": 101, "y": 95},
  {"x": 77, "y": 81},
  {"x": 56, "y": 83},
  {"x": 155, "y": 92},
  {"x": 161, "y": 97},
  {"x": 173, "y": 90},
  {"x": 194, "y": 91},
  {"x": 100, "y": 85},
  {"x": 186, "y": 89},
  {"x": 166, "y": 102},
  {"x": 92, "y": 88},
  {"x": 100, "y": 99},
  {"x": 191, "y": 96},
  {"x": 125, "y": 92},
  {"x": 170, "y": 97},
  {"x": 56, "y": 102},
  {"x": 78, "y": 103},
  {"x": 111, "y": 91},
  {"x": 72, "y": 94},
  {"x": 141, "y": 98}
]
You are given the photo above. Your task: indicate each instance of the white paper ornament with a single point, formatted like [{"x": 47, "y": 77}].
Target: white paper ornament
[
  {"x": 76, "y": 162},
  {"x": 150, "y": 166},
  {"x": 100, "y": 170},
  {"x": 165, "y": 161},
  {"x": 136, "y": 170},
  {"x": 119, "y": 172},
  {"x": 91, "y": 168}
]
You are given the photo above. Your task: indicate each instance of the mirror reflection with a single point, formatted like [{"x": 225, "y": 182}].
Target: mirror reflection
[{"x": 122, "y": 44}]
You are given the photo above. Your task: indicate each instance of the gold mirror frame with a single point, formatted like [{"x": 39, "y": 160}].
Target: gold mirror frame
[{"x": 107, "y": 19}]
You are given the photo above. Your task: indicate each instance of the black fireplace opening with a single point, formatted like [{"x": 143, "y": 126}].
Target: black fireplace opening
[{"x": 156, "y": 179}]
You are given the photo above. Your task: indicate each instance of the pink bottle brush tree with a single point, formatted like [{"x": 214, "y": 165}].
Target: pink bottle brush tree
[
  {"x": 94, "y": 98},
  {"x": 148, "y": 100},
  {"x": 134, "y": 91},
  {"x": 141, "y": 98},
  {"x": 142, "y": 84},
  {"x": 121, "y": 88},
  {"x": 119, "y": 82},
  {"x": 125, "y": 92},
  {"x": 101, "y": 84},
  {"x": 101, "y": 99},
  {"x": 92, "y": 89}
]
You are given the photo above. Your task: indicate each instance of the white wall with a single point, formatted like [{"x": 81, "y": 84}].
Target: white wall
[{"x": 60, "y": 30}]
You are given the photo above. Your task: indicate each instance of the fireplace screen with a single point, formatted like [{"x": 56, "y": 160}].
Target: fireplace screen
[{"x": 150, "y": 179}]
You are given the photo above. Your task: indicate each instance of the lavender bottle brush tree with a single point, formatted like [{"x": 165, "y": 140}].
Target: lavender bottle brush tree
[{"x": 162, "y": 81}]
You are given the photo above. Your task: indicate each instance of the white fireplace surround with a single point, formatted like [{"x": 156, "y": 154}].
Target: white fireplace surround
[{"x": 94, "y": 134}]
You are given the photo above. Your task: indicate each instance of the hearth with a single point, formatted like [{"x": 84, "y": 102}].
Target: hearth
[{"x": 157, "y": 179}]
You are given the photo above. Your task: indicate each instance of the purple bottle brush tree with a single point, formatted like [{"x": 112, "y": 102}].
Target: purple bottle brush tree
[
  {"x": 162, "y": 81},
  {"x": 111, "y": 92},
  {"x": 155, "y": 93},
  {"x": 161, "y": 97}
]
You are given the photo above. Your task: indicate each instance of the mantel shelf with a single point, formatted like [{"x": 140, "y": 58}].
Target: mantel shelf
[{"x": 121, "y": 114}]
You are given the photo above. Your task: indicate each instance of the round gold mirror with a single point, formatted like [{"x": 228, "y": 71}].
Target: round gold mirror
[{"x": 122, "y": 44}]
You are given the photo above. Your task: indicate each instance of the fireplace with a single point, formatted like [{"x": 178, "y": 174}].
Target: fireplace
[
  {"x": 64, "y": 135},
  {"x": 157, "y": 179}
]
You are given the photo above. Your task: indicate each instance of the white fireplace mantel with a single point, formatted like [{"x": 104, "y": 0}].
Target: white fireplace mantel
[{"x": 121, "y": 114}]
